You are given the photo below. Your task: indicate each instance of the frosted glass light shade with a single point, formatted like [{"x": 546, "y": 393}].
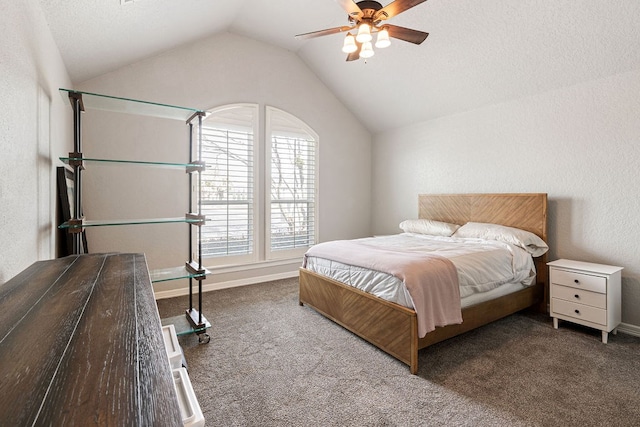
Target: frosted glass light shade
[
  {"x": 364, "y": 33},
  {"x": 349, "y": 45},
  {"x": 383, "y": 39},
  {"x": 367, "y": 50}
]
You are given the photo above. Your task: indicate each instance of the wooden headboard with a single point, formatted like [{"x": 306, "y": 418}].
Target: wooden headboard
[{"x": 527, "y": 211}]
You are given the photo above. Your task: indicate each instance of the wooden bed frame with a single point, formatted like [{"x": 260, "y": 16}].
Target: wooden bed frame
[{"x": 393, "y": 328}]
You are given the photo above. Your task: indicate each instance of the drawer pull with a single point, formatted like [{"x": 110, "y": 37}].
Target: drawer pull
[
  {"x": 576, "y": 281},
  {"x": 577, "y": 311},
  {"x": 577, "y": 296}
]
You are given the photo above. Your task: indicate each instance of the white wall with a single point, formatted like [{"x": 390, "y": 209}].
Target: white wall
[
  {"x": 34, "y": 132},
  {"x": 216, "y": 71},
  {"x": 580, "y": 144}
]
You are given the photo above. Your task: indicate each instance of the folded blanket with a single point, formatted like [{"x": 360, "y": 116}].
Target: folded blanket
[{"x": 431, "y": 280}]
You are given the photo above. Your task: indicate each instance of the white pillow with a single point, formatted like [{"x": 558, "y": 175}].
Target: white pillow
[
  {"x": 428, "y": 226},
  {"x": 515, "y": 236}
]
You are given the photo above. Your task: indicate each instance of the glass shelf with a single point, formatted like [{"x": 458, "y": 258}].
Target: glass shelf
[
  {"x": 175, "y": 273},
  {"x": 101, "y": 223},
  {"x": 190, "y": 167},
  {"x": 183, "y": 325},
  {"x": 132, "y": 106}
]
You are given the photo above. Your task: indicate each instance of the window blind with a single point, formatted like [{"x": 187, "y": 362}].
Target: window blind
[
  {"x": 292, "y": 198},
  {"x": 227, "y": 191}
]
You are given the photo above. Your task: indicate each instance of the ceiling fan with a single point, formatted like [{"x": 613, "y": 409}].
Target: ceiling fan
[{"x": 367, "y": 18}]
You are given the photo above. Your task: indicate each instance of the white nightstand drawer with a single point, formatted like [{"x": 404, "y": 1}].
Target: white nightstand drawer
[
  {"x": 579, "y": 311},
  {"x": 579, "y": 296},
  {"x": 579, "y": 280}
]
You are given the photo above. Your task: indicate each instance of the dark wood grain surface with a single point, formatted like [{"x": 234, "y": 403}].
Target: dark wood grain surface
[{"x": 81, "y": 344}]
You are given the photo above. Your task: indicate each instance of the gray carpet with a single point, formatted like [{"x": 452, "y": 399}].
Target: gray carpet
[{"x": 273, "y": 362}]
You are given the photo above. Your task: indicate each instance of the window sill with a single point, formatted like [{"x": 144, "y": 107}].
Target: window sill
[{"x": 233, "y": 268}]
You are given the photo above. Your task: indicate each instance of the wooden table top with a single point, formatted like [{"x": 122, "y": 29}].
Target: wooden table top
[{"x": 81, "y": 344}]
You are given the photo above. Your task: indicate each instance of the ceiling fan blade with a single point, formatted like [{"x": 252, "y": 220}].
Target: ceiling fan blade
[
  {"x": 326, "y": 32},
  {"x": 355, "y": 55},
  {"x": 406, "y": 34},
  {"x": 351, "y": 8},
  {"x": 394, "y": 8}
]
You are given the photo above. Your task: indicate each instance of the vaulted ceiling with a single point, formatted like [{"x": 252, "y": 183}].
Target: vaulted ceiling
[{"x": 479, "y": 52}]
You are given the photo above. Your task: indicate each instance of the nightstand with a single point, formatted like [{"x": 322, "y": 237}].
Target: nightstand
[{"x": 587, "y": 294}]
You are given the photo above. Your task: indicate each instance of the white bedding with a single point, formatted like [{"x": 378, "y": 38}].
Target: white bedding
[{"x": 486, "y": 268}]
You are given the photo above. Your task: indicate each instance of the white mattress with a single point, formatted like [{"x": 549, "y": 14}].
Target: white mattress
[{"x": 486, "y": 269}]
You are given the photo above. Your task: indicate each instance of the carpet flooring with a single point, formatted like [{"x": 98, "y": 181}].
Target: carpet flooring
[{"x": 272, "y": 362}]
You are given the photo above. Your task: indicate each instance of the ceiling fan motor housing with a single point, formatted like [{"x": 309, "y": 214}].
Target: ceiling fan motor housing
[
  {"x": 367, "y": 4},
  {"x": 368, "y": 8}
]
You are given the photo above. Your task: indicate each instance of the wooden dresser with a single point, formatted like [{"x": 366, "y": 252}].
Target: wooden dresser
[{"x": 81, "y": 344}]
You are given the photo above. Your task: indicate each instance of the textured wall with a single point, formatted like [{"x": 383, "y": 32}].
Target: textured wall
[
  {"x": 33, "y": 130},
  {"x": 580, "y": 144},
  {"x": 216, "y": 71}
]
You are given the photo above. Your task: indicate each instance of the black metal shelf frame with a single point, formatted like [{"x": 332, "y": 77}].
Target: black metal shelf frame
[{"x": 193, "y": 269}]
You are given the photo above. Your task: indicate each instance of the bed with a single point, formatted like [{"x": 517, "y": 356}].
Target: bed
[{"x": 393, "y": 327}]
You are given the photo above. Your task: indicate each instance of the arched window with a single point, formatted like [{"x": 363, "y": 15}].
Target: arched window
[
  {"x": 258, "y": 192},
  {"x": 291, "y": 208},
  {"x": 229, "y": 184}
]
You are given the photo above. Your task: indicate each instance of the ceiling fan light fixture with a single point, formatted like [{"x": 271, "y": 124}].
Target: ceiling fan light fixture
[
  {"x": 367, "y": 50},
  {"x": 349, "y": 45},
  {"x": 383, "y": 39},
  {"x": 370, "y": 17},
  {"x": 364, "y": 33}
]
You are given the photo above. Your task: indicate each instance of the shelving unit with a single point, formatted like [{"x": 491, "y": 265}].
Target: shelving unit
[{"x": 193, "y": 270}]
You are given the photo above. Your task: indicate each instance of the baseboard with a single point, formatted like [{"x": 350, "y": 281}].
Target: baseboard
[
  {"x": 629, "y": 329},
  {"x": 229, "y": 284}
]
